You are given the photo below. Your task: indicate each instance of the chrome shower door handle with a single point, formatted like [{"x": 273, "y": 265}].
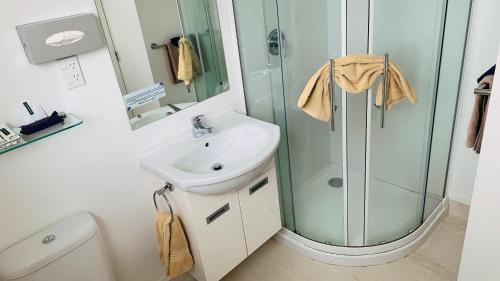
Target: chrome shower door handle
[
  {"x": 332, "y": 95},
  {"x": 274, "y": 41},
  {"x": 384, "y": 91}
]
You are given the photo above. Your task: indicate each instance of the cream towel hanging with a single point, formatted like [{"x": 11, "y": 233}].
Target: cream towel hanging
[
  {"x": 173, "y": 247},
  {"x": 354, "y": 74},
  {"x": 189, "y": 64}
]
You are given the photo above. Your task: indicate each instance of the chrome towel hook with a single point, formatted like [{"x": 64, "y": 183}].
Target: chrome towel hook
[{"x": 161, "y": 192}]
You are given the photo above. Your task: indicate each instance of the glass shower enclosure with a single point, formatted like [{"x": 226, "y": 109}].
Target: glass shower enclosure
[{"x": 358, "y": 184}]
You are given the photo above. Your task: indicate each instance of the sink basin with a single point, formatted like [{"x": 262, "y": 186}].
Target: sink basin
[{"x": 237, "y": 151}]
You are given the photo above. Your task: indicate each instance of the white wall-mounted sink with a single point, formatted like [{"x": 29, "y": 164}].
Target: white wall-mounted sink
[{"x": 237, "y": 151}]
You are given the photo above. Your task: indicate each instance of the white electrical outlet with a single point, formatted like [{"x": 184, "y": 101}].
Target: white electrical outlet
[{"x": 71, "y": 72}]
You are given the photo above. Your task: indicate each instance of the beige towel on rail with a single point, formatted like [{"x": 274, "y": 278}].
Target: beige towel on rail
[
  {"x": 173, "y": 60},
  {"x": 189, "y": 63},
  {"x": 478, "y": 118},
  {"x": 173, "y": 248},
  {"x": 355, "y": 74}
]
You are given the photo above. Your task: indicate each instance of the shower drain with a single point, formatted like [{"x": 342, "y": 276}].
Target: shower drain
[{"x": 336, "y": 182}]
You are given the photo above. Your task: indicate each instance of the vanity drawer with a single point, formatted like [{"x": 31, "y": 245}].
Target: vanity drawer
[
  {"x": 200, "y": 204},
  {"x": 220, "y": 238},
  {"x": 260, "y": 210}
]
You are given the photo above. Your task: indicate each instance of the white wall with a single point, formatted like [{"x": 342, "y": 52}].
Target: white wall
[
  {"x": 480, "y": 55},
  {"x": 480, "y": 257},
  {"x": 93, "y": 167}
]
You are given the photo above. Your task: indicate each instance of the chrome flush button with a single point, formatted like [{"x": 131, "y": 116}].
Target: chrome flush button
[{"x": 49, "y": 239}]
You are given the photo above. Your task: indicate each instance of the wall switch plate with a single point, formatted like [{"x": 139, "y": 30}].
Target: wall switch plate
[{"x": 71, "y": 72}]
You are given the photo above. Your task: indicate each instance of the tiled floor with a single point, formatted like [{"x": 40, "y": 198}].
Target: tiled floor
[{"x": 437, "y": 260}]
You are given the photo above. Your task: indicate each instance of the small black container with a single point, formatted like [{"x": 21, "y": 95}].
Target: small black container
[{"x": 54, "y": 119}]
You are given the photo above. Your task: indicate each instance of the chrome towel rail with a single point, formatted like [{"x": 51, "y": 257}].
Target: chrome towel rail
[
  {"x": 482, "y": 92},
  {"x": 155, "y": 46},
  {"x": 161, "y": 192}
]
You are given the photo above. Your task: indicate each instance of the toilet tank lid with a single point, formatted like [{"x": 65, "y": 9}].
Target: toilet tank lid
[{"x": 40, "y": 249}]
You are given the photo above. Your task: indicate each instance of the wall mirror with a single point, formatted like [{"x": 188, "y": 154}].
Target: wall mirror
[{"x": 167, "y": 54}]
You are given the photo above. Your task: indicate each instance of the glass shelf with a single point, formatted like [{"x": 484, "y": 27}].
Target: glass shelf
[{"x": 69, "y": 122}]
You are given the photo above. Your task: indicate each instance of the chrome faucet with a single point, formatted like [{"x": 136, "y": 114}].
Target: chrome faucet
[{"x": 199, "y": 130}]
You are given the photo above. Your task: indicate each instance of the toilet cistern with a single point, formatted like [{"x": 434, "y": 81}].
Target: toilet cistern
[{"x": 199, "y": 130}]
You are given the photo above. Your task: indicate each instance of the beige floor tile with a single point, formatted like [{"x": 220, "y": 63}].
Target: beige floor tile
[
  {"x": 459, "y": 209},
  {"x": 437, "y": 259}
]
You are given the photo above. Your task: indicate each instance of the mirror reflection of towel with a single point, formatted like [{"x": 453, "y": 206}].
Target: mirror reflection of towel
[
  {"x": 173, "y": 61},
  {"x": 189, "y": 63}
]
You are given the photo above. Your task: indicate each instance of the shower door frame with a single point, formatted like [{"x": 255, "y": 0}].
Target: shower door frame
[{"x": 345, "y": 175}]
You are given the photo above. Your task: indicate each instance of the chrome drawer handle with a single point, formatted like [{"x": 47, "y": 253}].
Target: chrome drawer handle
[
  {"x": 217, "y": 213},
  {"x": 258, "y": 186}
]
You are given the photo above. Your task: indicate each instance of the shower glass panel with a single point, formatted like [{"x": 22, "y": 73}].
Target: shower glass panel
[
  {"x": 455, "y": 36},
  {"x": 399, "y": 152},
  {"x": 312, "y": 35},
  {"x": 357, "y": 24},
  {"x": 263, "y": 83}
]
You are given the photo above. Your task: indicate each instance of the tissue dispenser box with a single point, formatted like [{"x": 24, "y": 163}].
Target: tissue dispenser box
[{"x": 60, "y": 38}]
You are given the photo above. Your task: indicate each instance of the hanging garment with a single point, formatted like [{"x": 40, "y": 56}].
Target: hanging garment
[
  {"x": 189, "y": 63},
  {"x": 355, "y": 74},
  {"x": 477, "y": 121},
  {"x": 175, "y": 41},
  {"x": 488, "y": 72}
]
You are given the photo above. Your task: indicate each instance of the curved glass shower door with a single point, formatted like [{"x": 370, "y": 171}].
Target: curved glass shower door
[
  {"x": 360, "y": 184},
  {"x": 313, "y": 35},
  {"x": 399, "y": 152}
]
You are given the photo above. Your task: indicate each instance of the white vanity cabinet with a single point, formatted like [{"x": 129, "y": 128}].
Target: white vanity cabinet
[
  {"x": 260, "y": 210},
  {"x": 224, "y": 229}
]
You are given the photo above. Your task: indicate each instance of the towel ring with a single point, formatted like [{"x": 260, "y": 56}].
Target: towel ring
[{"x": 161, "y": 192}]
